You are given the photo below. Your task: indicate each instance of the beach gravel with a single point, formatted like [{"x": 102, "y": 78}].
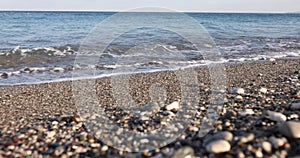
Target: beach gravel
[{"x": 259, "y": 118}]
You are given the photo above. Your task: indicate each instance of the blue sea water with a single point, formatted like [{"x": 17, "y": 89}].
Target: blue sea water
[{"x": 42, "y": 46}]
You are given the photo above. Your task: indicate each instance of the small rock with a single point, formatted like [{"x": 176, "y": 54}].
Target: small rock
[
  {"x": 258, "y": 153},
  {"x": 104, "y": 148},
  {"x": 295, "y": 106},
  {"x": 266, "y": 146},
  {"x": 219, "y": 91},
  {"x": 246, "y": 112},
  {"x": 77, "y": 118},
  {"x": 263, "y": 90},
  {"x": 277, "y": 142},
  {"x": 297, "y": 95},
  {"x": 224, "y": 135},
  {"x": 58, "y": 69},
  {"x": 241, "y": 154},
  {"x": 290, "y": 129},
  {"x": 173, "y": 106},
  {"x": 246, "y": 139},
  {"x": 218, "y": 146},
  {"x": 184, "y": 152},
  {"x": 58, "y": 151},
  {"x": 238, "y": 98},
  {"x": 50, "y": 134},
  {"x": 54, "y": 123},
  {"x": 238, "y": 91},
  {"x": 95, "y": 145},
  {"x": 272, "y": 59},
  {"x": 276, "y": 116}
]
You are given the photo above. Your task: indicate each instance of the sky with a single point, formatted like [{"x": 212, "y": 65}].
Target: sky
[{"x": 280, "y": 6}]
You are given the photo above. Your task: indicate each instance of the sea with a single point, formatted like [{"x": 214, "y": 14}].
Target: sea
[{"x": 41, "y": 47}]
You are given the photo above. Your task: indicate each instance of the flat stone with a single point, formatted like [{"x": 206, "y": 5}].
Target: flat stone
[
  {"x": 173, "y": 106},
  {"x": 246, "y": 112},
  {"x": 224, "y": 135},
  {"x": 276, "y": 116},
  {"x": 290, "y": 129},
  {"x": 184, "y": 152},
  {"x": 218, "y": 146},
  {"x": 238, "y": 91},
  {"x": 263, "y": 90},
  {"x": 295, "y": 106}
]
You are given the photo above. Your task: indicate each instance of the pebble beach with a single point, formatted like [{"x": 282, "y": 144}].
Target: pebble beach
[{"x": 259, "y": 118}]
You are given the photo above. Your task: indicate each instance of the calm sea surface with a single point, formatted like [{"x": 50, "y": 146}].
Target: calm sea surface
[{"x": 42, "y": 46}]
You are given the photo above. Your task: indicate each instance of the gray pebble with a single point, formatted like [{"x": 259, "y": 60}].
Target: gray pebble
[{"x": 290, "y": 129}]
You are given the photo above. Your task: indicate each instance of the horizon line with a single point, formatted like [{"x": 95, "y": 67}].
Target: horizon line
[{"x": 116, "y": 11}]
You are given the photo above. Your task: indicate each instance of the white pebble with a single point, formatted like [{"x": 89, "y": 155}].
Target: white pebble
[
  {"x": 173, "y": 106},
  {"x": 263, "y": 90}
]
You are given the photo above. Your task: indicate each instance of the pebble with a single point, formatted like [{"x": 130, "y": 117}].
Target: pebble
[
  {"x": 276, "y": 116},
  {"x": 104, "y": 148},
  {"x": 173, "y": 106},
  {"x": 58, "y": 69},
  {"x": 258, "y": 153},
  {"x": 266, "y": 146},
  {"x": 238, "y": 98},
  {"x": 58, "y": 151},
  {"x": 218, "y": 146},
  {"x": 95, "y": 145},
  {"x": 295, "y": 106},
  {"x": 238, "y": 91},
  {"x": 272, "y": 59},
  {"x": 246, "y": 112},
  {"x": 290, "y": 129},
  {"x": 263, "y": 90},
  {"x": 277, "y": 142},
  {"x": 50, "y": 134},
  {"x": 246, "y": 139},
  {"x": 297, "y": 95},
  {"x": 224, "y": 135},
  {"x": 184, "y": 152}
]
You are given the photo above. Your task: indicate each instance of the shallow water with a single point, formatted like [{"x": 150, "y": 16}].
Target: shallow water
[{"x": 42, "y": 46}]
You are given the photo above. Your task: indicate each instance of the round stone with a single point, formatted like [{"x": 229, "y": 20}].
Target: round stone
[
  {"x": 238, "y": 98},
  {"x": 218, "y": 146},
  {"x": 266, "y": 146}
]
